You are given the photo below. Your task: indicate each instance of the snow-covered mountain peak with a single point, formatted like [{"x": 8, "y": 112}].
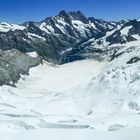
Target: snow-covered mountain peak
[{"x": 73, "y": 15}]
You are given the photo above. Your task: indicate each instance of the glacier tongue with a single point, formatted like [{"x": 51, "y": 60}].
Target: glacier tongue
[
  {"x": 88, "y": 93},
  {"x": 44, "y": 96}
]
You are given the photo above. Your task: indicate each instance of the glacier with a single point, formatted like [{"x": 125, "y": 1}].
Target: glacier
[{"x": 86, "y": 95}]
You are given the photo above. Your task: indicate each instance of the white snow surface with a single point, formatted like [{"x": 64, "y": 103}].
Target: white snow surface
[
  {"x": 47, "y": 28},
  {"x": 86, "y": 99},
  {"x": 44, "y": 94},
  {"x": 71, "y": 134},
  {"x": 125, "y": 30},
  {"x": 35, "y": 36},
  {"x": 82, "y": 27},
  {"x": 32, "y": 54}
]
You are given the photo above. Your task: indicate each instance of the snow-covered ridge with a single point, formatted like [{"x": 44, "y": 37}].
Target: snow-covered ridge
[
  {"x": 5, "y": 27},
  {"x": 125, "y": 30},
  {"x": 121, "y": 36},
  {"x": 34, "y": 36},
  {"x": 47, "y": 28},
  {"x": 58, "y": 34}
]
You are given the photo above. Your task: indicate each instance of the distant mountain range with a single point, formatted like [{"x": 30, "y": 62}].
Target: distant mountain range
[{"x": 70, "y": 36}]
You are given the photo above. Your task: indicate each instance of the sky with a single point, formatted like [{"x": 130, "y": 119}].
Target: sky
[{"x": 18, "y": 11}]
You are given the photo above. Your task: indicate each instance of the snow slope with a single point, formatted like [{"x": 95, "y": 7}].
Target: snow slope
[
  {"x": 44, "y": 95},
  {"x": 71, "y": 134},
  {"x": 87, "y": 96}
]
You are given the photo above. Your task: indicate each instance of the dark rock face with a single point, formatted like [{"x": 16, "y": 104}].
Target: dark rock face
[
  {"x": 13, "y": 63},
  {"x": 14, "y": 39},
  {"x": 133, "y": 60},
  {"x": 73, "y": 16}
]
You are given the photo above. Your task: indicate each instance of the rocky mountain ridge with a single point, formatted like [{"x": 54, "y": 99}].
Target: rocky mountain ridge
[
  {"x": 54, "y": 36},
  {"x": 64, "y": 38}
]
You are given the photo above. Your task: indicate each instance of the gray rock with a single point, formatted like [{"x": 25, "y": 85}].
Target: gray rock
[{"x": 13, "y": 63}]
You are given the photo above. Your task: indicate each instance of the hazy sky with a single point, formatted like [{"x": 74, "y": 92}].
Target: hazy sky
[{"x": 18, "y": 11}]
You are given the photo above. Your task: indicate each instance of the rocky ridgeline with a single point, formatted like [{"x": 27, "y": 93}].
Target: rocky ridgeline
[{"x": 13, "y": 64}]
